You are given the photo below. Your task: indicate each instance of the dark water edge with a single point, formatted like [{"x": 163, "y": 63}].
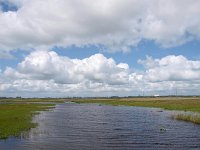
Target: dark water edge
[{"x": 90, "y": 126}]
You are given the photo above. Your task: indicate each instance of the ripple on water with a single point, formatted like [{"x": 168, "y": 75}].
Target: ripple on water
[{"x": 86, "y": 126}]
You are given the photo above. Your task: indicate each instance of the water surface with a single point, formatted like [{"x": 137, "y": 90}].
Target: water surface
[{"x": 92, "y": 126}]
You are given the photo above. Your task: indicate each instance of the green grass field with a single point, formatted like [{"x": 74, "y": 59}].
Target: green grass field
[
  {"x": 16, "y": 118},
  {"x": 32, "y": 100},
  {"x": 189, "y": 104}
]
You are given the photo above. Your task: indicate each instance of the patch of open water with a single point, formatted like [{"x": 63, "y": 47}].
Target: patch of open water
[{"x": 92, "y": 126}]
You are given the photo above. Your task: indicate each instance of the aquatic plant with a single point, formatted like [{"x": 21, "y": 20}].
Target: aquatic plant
[{"x": 191, "y": 117}]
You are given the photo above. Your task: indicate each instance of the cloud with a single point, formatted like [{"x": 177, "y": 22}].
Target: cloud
[
  {"x": 47, "y": 65},
  {"x": 45, "y": 73},
  {"x": 113, "y": 25},
  {"x": 171, "y": 68}
]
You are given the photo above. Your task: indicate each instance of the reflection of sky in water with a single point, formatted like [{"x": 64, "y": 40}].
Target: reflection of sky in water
[{"x": 77, "y": 126}]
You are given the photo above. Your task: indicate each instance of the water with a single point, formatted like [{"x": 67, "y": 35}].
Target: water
[{"x": 89, "y": 126}]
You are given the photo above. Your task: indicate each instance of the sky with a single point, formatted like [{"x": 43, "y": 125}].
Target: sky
[{"x": 85, "y": 48}]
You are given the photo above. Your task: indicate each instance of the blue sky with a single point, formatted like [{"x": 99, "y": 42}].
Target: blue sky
[
  {"x": 93, "y": 48},
  {"x": 147, "y": 48}
]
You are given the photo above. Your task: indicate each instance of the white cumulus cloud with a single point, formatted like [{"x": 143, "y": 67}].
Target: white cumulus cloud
[
  {"x": 113, "y": 25},
  {"x": 47, "y": 65},
  {"x": 45, "y": 73},
  {"x": 171, "y": 68}
]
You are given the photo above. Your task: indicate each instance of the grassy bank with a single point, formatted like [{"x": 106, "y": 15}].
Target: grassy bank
[
  {"x": 17, "y": 117},
  {"x": 191, "y": 104},
  {"x": 192, "y": 117},
  {"x": 183, "y": 104},
  {"x": 32, "y": 100}
]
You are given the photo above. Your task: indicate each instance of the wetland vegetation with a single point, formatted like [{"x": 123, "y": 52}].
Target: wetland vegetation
[{"x": 16, "y": 115}]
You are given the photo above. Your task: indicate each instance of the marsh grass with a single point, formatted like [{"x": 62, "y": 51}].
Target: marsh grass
[
  {"x": 192, "y": 117},
  {"x": 16, "y": 118}
]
